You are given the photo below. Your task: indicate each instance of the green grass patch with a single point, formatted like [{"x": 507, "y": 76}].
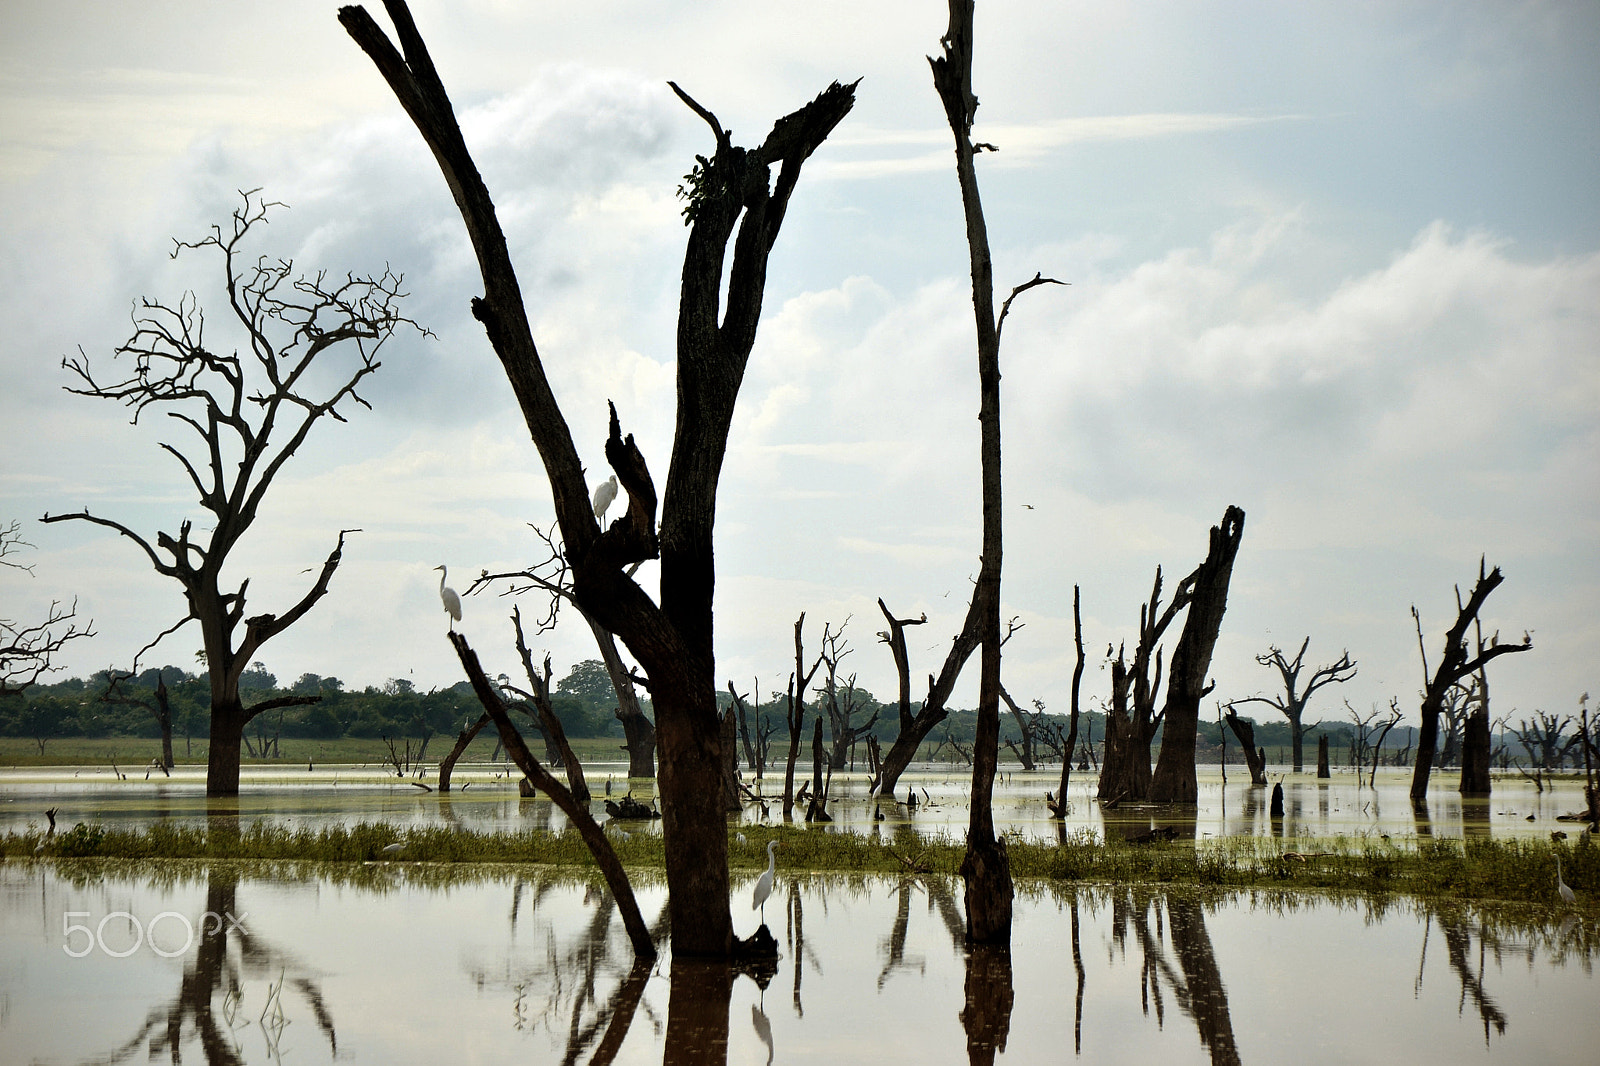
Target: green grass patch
[{"x": 1520, "y": 870}]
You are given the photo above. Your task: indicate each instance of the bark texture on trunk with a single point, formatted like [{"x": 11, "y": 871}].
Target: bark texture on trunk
[{"x": 1174, "y": 779}]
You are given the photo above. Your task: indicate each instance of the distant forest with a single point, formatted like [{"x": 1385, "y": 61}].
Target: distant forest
[{"x": 583, "y": 700}]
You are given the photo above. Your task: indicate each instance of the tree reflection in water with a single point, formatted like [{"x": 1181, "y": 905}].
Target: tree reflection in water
[
  {"x": 1196, "y": 981},
  {"x": 215, "y": 969}
]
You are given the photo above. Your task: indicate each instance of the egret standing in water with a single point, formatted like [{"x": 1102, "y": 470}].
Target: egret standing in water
[
  {"x": 764, "y": 882},
  {"x": 452, "y": 602},
  {"x": 1565, "y": 890},
  {"x": 604, "y": 493}
]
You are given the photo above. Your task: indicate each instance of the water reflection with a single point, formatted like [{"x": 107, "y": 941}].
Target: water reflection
[
  {"x": 488, "y": 800},
  {"x": 418, "y": 962}
]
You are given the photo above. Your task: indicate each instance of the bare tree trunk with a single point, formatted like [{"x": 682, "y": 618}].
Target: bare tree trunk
[
  {"x": 639, "y": 735},
  {"x": 604, "y": 856},
  {"x": 1254, "y": 757},
  {"x": 1475, "y": 753},
  {"x": 986, "y": 866},
  {"x": 639, "y": 740},
  {"x": 799, "y": 681},
  {"x": 1174, "y": 778},
  {"x": 730, "y": 762},
  {"x": 1454, "y": 666},
  {"x": 1323, "y": 772},
  {"x": 448, "y": 765},
  {"x": 555, "y": 733},
  {"x": 733, "y": 190},
  {"x": 1071, "y": 744}
]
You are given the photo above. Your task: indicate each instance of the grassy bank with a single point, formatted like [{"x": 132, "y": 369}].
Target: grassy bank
[{"x": 1474, "y": 869}]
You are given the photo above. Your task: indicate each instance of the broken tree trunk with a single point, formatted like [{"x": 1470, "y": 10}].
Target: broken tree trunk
[
  {"x": 1455, "y": 664},
  {"x": 1174, "y": 778},
  {"x": 1255, "y": 758}
]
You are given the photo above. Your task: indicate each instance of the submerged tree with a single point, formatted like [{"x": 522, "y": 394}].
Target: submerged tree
[
  {"x": 732, "y": 196},
  {"x": 1174, "y": 777},
  {"x": 1455, "y": 665},
  {"x": 251, "y": 411},
  {"x": 1292, "y": 703}
]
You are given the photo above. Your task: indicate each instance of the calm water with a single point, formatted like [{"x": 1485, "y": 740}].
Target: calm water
[
  {"x": 414, "y": 963},
  {"x": 349, "y": 794}
]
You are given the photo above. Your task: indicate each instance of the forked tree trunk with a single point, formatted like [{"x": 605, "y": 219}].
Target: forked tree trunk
[
  {"x": 1456, "y": 664},
  {"x": 1174, "y": 779},
  {"x": 732, "y": 190}
]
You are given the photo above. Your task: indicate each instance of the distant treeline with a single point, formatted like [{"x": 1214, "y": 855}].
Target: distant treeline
[
  {"x": 89, "y": 707},
  {"x": 583, "y": 700}
]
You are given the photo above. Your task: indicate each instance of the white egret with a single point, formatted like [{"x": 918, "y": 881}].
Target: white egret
[
  {"x": 391, "y": 850},
  {"x": 604, "y": 493},
  {"x": 1565, "y": 890},
  {"x": 452, "y": 602},
  {"x": 764, "y": 882}
]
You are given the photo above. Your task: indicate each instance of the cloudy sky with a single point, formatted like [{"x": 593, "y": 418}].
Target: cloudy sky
[{"x": 1336, "y": 263}]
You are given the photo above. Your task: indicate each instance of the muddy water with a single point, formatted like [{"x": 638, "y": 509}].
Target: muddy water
[{"x": 406, "y": 963}]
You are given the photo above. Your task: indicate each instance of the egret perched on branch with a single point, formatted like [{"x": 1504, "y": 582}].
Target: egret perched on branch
[
  {"x": 452, "y": 602},
  {"x": 604, "y": 493},
  {"x": 764, "y": 882}
]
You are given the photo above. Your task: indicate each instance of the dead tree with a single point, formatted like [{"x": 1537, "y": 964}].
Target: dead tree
[
  {"x": 986, "y": 868},
  {"x": 1455, "y": 665},
  {"x": 730, "y": 762},
  {"x": 1255, "y": 758},
  {"x": 1058, "y": 808},
  {"x": 447, "y": 765},
  {"x": 799, "y": 681},
  {"x": 252, "y": 412},
  {"x": 1174, "y": 779},
  {"x": 821, "y": 776},
  {"x": 1030, "y": 725},
  {"x": 1131, "y": 721},
  {"x": 1458, "y": 704},
  {"x": 1545, "y": 739},
  {"x": 914, "y": 729},
  {"x": 553, "y": 576},
  {"x": 160, "y": 710},
  {"x": 840, "y": 703},
  {"x": 26, "y": 648},
  {"x": 555, "y": 733},
  {"x": 1476, "y": 753},
  {"x": 1292, "y": 704},
  {"x": 605, "y": 857},
  {"x": 672, "y": 637}
]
